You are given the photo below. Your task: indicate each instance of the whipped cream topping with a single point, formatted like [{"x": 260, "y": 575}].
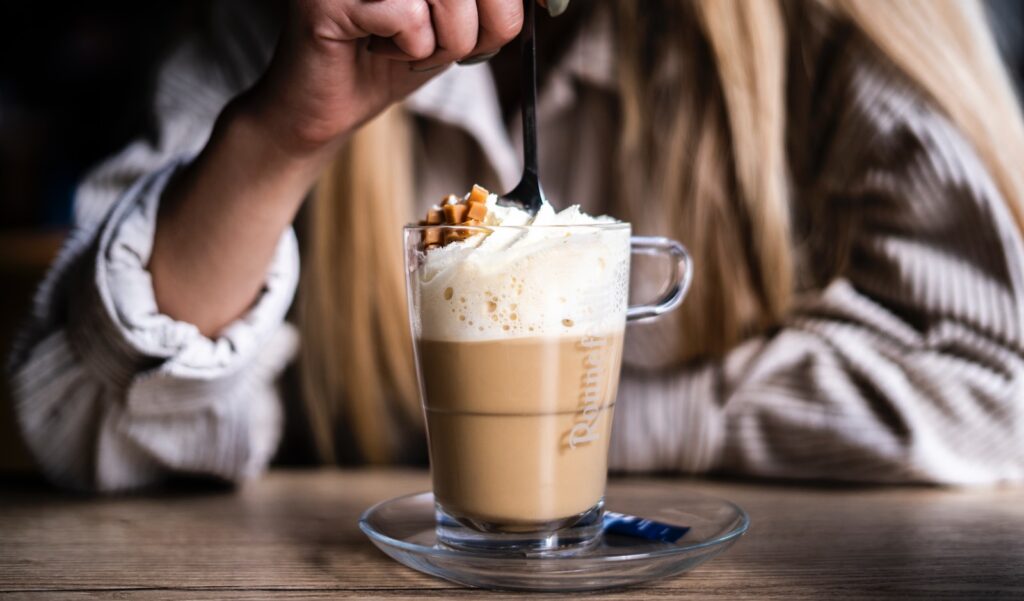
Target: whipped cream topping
[{"x": 549, "y": 274}]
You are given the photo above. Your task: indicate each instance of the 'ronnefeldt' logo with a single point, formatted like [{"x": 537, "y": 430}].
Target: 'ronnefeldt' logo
[{"x": 591, "y": 391}]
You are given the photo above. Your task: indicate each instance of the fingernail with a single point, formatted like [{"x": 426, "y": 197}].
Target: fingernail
[
  {"x": 479, "y": 58},
  {"x": 426, "y": 69},
  {"x": 557, "y": 7}
]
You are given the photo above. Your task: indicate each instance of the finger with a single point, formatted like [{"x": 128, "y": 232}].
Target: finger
[
  {"x": 387, "y": 48},
  {"x": 476, "y": 59},
  {"x": 407, "y": 80},
  {"x": 405, "y": 22},
  {"x": 500, "y": 23},
  {"x": 456, "y": 27}
]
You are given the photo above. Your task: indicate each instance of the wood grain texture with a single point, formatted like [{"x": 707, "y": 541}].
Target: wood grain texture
[{"x": 293, "y": 535}]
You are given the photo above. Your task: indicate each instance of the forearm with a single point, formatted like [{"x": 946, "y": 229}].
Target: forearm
[{"x": 222, "y": 218}]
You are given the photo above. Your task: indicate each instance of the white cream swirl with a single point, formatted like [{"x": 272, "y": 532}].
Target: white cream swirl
[{"x": 552, "y": 274}]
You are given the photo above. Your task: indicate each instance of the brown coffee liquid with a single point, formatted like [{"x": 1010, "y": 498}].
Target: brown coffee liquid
[{"x": 519, "y": 428}]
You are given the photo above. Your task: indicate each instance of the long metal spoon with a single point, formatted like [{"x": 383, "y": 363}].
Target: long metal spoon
[{"x": 528, "y": 195}]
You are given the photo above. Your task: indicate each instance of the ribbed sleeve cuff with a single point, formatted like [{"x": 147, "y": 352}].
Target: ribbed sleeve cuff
[
  {"x": 118, "y": 331},
  {"x": 670, "y": 422}
]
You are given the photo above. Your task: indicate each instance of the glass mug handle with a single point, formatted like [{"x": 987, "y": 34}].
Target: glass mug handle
[{"x": 679, "y": 285}]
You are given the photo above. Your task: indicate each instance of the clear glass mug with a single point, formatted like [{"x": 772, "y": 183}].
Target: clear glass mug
[{"x": 518, "y": 344}]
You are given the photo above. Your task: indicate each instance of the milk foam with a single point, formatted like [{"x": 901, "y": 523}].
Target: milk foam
[{"x": 526, "y": 281}]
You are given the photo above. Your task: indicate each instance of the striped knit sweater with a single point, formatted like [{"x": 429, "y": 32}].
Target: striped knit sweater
[{"x": 905, "y": 367}]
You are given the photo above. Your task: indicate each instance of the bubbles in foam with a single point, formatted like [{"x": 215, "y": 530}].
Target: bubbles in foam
[{"x": 527, "y": 282}]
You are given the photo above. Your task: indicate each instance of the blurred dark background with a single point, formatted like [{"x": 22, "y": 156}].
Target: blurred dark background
[
  {"x": 73, "y": 84},
  {"x": 74, "y": 79}
]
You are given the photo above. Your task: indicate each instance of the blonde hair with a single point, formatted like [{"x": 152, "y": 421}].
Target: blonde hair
[
  {"x": 357, "y": 351},
  {"x": 709, "y": 154}
]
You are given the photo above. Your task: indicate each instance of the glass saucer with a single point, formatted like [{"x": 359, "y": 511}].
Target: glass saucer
[{"x": 403, "y": 528}]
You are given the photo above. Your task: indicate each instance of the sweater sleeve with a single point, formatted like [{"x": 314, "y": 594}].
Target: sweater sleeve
[
  {"x": 907, "y": 363},
  {"x": 111, "y": 394}
]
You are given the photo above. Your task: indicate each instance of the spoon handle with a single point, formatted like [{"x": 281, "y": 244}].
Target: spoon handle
[{"x": 531, "y": 172}]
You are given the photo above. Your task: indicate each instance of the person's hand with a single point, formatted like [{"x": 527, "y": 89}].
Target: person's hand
[{"x": 340, "y": 62}]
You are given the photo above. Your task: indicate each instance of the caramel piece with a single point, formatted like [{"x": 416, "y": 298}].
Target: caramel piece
[
  {"x": 457, "y": 235},
  {"x": 477, "y": 211},
  {"x": 454, "y": 214},
  {"x": 432, "y": 236},
  {"x": 478, "y": 194},
  {"x": 454, "y": 211},
  {"x": 435, "y": 216}
]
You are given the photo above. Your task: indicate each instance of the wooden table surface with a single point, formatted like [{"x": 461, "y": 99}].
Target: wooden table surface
[{"x": 293, "y": 535}]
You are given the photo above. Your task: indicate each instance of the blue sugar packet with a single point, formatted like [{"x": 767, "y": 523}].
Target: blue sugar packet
[{"x": 637, "y": 527}]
